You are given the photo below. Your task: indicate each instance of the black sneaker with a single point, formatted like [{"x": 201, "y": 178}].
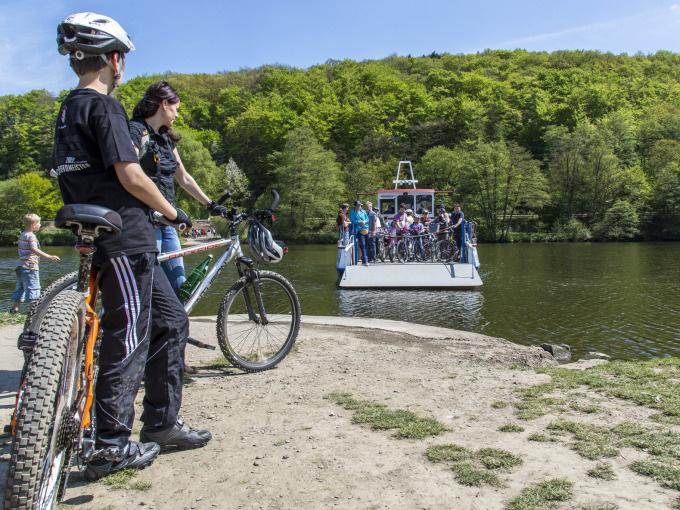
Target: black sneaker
[
  {"x": 179, "y": 436},
  {"x": 135, "y": 456}
]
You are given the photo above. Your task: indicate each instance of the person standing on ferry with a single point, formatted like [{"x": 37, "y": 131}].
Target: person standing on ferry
[
  {"x": 457, "y": 218},
  {"x": 154, "y": 140},
  {"x": 359, "y": 220},
  {"x": 374, "y": 225},
  {"x": 442, "y": 222}
]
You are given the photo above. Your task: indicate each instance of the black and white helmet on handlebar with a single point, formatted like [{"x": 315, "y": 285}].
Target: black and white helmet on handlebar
[{"x": 262, "y": 244}]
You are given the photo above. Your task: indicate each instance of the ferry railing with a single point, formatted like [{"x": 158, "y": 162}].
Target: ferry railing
[{"x": 351, "y": 250}]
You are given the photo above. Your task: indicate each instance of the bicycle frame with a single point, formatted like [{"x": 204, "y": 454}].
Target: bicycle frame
[{"x": 233, "y": 245}]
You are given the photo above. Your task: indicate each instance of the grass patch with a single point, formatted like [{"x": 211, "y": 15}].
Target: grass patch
[
  {"x": 495, "y": 458},
  {"x": 140, "y": 485},
  {"x": 499, "y": 404},
  {"x": 510, "y": 427},
  {"x": 216, "y": 364},
  {"x": 665, "y": 472},
  {"x": 585, "y": 408},
  {"x": 665, "y": 419},
  {"x": 534, "y": 406},
  {"x": 601, "y": 506},
  {"x": 448, "y": 453},
  {"x": 595, "y": 442},
  {"x": 592, "y": 442},
  {"x": 542, "y": 438},
  {"x": 125, "y": 479},
  {"x": 543, "y": 495},
  {"x": 7, "y": 318},
  {"x": 472, "y": 476},
  {"x": 474, "y": 468},
  {"x": 651, "y": 383},
  {"x": 603, "y": 471},
  {"x": 380, "y": 417}
]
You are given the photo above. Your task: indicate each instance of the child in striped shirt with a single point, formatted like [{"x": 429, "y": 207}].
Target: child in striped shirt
[{"x": 27, "y": 271}]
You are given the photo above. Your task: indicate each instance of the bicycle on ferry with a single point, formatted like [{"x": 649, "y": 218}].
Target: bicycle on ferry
[{"x": 54, "y": 422}]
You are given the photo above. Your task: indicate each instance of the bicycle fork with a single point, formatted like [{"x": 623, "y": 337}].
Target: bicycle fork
[{"x": 252, "y": 275}]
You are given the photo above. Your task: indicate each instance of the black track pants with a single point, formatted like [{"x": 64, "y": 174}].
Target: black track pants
[{"x": 144, "y": 331}]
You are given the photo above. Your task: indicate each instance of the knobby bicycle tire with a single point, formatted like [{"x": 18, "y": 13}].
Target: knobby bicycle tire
[
  {"x": 223, "y": 316},
  {"x": 37, "y": 308},
  {"x": 54, "y": 364}
]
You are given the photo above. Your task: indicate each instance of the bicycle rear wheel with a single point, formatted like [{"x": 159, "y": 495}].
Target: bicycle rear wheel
[
  {"x": 37, "y": 310},
  {"x": 47, "y": 422},
  {"x": 253, "y": 337}
]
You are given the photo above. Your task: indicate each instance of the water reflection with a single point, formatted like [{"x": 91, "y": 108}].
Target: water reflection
[{"x": 456, "y": 309}]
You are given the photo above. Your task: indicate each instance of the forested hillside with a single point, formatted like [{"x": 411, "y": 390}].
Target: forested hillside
[{"x": 567, "y": 144}]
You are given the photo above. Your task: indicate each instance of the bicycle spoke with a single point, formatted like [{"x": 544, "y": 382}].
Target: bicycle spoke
[{"x": 256, "y": 346}]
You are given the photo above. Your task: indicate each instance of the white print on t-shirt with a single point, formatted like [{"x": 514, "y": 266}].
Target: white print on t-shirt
[{"x": 71, "y": 165}]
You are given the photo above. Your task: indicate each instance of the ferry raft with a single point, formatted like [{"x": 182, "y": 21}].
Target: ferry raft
[{"x": 435, "y": 270}]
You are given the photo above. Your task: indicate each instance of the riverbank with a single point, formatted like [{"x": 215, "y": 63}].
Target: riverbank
[{"x": 328, "y": 427}]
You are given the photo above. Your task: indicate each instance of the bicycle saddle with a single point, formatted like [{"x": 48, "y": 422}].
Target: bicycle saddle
[{"x": 88, "y": 216}]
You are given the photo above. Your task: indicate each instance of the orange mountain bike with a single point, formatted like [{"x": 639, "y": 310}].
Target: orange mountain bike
[{"x": 54, "y": 422}]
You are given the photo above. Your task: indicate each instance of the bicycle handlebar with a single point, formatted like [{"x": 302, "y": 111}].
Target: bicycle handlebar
[
  {"x": 234, "y": 216},
  {"x": 181, "y": 227}
]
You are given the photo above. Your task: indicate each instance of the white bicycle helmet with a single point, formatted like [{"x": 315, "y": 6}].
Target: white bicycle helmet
[
  {"x": 262, "y": 245},
  {"x": 86, "y": 34}
]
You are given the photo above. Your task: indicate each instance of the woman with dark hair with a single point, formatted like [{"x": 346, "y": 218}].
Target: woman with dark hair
[{"x": 154, "y": 140}]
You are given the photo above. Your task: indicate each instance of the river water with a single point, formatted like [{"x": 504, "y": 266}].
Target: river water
[{"x": 622, "y": 299}]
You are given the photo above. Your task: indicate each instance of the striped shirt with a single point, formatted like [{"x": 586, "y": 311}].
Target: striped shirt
[{"x": 28, "y": 259}]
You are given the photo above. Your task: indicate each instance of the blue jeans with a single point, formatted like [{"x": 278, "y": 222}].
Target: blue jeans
[
  {"x": 361, "y": 239},
  {"x": 168, "y": 240},
  {"x": 28, "y": 285},
  {"x": 371, "y": 246}
]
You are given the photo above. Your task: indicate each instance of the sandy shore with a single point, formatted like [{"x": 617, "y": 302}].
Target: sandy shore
[{"x": 278, "y": 443}]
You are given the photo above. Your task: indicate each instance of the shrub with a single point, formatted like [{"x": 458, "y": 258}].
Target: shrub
[
  {"x": 573, "y": 230},
  {"x": 620, "y": 222}
]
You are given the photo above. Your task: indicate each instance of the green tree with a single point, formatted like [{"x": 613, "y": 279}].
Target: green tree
[
  {"x": 366, "y": 177},
  {"x": 308, "y": 177},
  {"x": 26, "y": 132},
  {"x": 620, "y": 223},
  {"x": 236, "y": 182},
  {"x": 27, "y": 193},
  {"x": 499, "y": 179},
  {"x": 199, "y": 163}
]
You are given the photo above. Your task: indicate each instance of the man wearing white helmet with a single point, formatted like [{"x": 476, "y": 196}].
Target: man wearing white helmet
[{"x": 144, "y": 327}]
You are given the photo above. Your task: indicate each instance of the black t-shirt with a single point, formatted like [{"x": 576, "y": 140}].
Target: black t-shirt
[
  {"x": 455, "y": 216},
  {"x": 156, "y": 156},
  {"x": 91, "y": 135}
]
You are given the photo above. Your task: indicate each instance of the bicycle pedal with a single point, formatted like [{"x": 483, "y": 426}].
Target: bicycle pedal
[
  {"x": 198, "y": 343},
  {"x": 87, "y": 450}
]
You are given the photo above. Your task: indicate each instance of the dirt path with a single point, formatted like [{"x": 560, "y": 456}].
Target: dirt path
[{"x": 278, "y": 443}]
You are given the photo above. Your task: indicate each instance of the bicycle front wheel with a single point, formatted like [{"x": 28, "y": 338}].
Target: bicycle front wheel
[
  {"x": 256, "y": 334},
  {"x": 47, "y": 421}
]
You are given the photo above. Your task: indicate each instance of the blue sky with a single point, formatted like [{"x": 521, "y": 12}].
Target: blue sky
[{"x": 218, "y": 35}]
